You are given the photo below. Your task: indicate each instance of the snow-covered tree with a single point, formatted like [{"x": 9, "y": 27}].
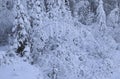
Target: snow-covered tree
[
  {"x": 113, "y": 23},
  {"x": 101, "y": 16},
  {"x": 37, "y": 17},
  {"x": 89, "y": 18},
  {"x": 113, "y": 17},
  {"x": 82, "y": 11},
  {"x": 21, "y": 30}
]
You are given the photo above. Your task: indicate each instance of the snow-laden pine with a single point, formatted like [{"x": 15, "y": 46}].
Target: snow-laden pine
[{"x": 21, "y": 30}]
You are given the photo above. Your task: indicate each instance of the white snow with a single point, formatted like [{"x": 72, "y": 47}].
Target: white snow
[{"x": 19, "y": 70}]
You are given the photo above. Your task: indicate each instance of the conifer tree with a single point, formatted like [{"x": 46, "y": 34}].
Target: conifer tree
[
  {"x": 113, "y": 17},
  {"x": 101, "y": 17},
  {"x": 21, "y": 30}
]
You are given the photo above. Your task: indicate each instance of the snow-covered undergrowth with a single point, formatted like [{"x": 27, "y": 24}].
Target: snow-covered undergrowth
[{"x": 76, "y": 53}]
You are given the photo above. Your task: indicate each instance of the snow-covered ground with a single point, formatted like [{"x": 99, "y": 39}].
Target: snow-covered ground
[
  {"x": 4, "y": 48},
  {"x": 18, "y": 69}
]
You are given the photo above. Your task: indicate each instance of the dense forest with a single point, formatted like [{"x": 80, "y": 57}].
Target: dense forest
[{"x": 59, "y": 39}]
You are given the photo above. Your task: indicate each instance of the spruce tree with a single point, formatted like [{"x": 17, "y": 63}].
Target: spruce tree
[
  {"x": 113, "y": 17},
  {"x": 21, "y": 30},
  {"x": 101, "y": 17}
]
